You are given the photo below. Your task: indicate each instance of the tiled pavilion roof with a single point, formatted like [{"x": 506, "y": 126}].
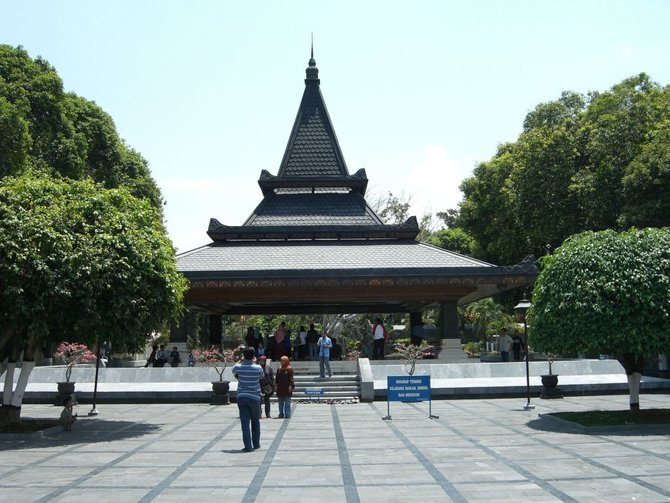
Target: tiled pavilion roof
[
  {"x": 313, "y": 195},
  {"x": 314, "y": 243}
]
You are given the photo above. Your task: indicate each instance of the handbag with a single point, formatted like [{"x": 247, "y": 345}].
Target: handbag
[
  {"x": 267, "y": 388},
  {"x": 267, "y": 384}
]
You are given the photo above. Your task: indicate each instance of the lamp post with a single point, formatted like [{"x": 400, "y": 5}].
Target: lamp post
[
  {"x": 94, "y": 410},
  {"x": 522, "y": 307}
]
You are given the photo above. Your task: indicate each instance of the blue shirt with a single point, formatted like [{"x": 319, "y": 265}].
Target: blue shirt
[
  {"x": 324, "y": 346},
  {"x": 249, "y": 377}
]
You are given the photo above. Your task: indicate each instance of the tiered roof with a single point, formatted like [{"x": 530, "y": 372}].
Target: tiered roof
[
  {"x": 313, "y": 196},
  {"x": 313, "y": 244}
]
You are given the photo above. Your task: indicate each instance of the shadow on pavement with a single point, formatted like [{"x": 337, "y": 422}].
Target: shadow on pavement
[
  {"x": 557, "y": 425},
  {"x": 86, "y": 431}
]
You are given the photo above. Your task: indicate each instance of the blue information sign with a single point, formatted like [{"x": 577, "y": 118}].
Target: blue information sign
[{"x": 408, "y": 388}]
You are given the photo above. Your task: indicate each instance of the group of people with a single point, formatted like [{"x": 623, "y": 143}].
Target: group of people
[
  {"x": 303, "y": 346},
  {"x": 160, "y": 356},
  {"x": 510, "y": 344},
  {"x": 256, "y": 384}
]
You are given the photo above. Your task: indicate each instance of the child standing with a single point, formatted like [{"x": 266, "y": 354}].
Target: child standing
[{"x": 66, "y": 416}]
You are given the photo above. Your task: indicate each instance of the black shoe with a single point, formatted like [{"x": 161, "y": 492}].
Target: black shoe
[
  {"x": 247, "y": 450},
  {"x": 280, "y": 417},
  {"x": 257, "y": 447}
]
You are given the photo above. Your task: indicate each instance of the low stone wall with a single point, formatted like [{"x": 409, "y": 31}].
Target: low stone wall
[
  {"x": 86, "y": 373},
  {"x": 499, "y": 369}
]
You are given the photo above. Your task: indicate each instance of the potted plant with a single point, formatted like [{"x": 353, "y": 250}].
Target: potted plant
[
  {"x": 71, "y": 354},
  {"x": 217, "y": 359},
  {"x": 550, "y": 387}
]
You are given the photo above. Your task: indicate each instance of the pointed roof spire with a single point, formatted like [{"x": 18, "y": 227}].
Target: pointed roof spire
[
  {"x": 313, "y": 157},
  {"x": 312, "y": 71}
]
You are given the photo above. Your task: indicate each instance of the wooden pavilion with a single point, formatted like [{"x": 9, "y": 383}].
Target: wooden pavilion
[{"x": 314, "y": 245}]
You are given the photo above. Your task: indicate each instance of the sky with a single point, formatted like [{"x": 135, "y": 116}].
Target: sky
[{"x": 419, "y": 92}]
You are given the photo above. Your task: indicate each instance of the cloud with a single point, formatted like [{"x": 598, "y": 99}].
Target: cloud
[
  {"x": 433, "y": 182},
  {"x": 626, "y": 52}
]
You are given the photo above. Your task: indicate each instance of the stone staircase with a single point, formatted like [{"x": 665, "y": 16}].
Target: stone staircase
[
  {"x": 344, "y": 385},
  {"x": 452, "y": 352}
]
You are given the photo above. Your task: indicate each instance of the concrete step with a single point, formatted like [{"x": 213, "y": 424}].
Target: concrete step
[
  {"x": 353, "y": 390},
  {"x": 327, "y": 383},
  {"x": 334, "y": 378},
  {"x": 452, "y": 352},
  {"x": 340, "y": 386}
]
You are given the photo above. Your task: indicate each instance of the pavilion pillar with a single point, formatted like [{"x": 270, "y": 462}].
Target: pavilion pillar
[
  {"x": 179, "y": 329},
  {"x": 215, "y": 329},
  {"x": 414, "y": 320},
  {"x": 449, "y": 321}
]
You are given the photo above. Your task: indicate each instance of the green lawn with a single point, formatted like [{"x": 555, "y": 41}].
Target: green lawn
[{"x": 616, "y": 417}]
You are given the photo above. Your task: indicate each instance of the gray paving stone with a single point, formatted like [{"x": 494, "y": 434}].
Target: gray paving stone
[{"x": 477, "y": 450}]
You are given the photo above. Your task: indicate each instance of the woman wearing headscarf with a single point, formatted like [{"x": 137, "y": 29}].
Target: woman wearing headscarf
[{"x": 284, "y": 384}]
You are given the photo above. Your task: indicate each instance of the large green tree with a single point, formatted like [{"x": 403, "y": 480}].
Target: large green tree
[
  {"x": 43, "y": 127},
  {"x": 76, "y": 262},
  {"x": 606, "y": 292},
  {"x": 594, "y": 162},
  {"x": 83, "y": 250}
]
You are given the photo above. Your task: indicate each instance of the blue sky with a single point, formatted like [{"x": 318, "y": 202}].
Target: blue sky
[{"x": 418, "y": 92}]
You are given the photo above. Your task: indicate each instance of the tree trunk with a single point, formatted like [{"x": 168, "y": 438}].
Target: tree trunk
[
  {"x": 634, "y": 387},
  {"x": 9, "y": 414},
  {"x": 12, "y": 397},
  {"x": 633, "y": 365}
]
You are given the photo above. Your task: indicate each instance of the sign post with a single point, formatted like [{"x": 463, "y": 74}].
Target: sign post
[
  {"x": 408, "y": 389},
  {"x": 314, "y": 392}
]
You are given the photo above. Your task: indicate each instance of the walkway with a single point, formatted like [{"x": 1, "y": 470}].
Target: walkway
[{"x": 487, "y": 450}]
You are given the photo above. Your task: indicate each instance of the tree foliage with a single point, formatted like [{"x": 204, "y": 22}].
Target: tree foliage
[
  {"x": 456, "y": 240},
  {"x": 392, "y": 209},
  {"x": 45, "y": 128},
  {"x": 77, "y": 260},
  {"x": 594, "y": 162},
  {"x": 605, "y": 292}
]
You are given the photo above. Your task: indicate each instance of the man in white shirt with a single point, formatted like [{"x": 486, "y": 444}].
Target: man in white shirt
[
  {"x": 378, "y": 339},
  {"x": 504, "y": 345}
]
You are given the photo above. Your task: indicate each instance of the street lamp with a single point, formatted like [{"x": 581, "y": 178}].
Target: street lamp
[
  {"x": 94, "y": 410},
  {"x": 522, "y": 307}
]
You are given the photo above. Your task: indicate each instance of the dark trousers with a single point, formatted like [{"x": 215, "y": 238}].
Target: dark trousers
[
  {"x": 250, "y": 419},
  {"x": 504, "y": 355},
  {"x": 265, "y": 401},
  {"x": 378, "y": 349}
]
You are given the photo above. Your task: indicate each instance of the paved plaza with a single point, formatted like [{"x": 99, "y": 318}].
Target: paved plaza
[{"x": 479, "y": 450}]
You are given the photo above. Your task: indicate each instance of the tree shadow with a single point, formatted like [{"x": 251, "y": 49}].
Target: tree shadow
[
  {"x": 558, "y": 425},
  {"x": 87, "y": 431}
]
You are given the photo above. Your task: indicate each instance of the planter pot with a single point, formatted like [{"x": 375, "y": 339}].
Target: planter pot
[
  {"x": 65, "y": 390},
  {"x": 220, "y": 387},
  {"x": 550, "y": 387},
  {"x": 220, "y": 391}
]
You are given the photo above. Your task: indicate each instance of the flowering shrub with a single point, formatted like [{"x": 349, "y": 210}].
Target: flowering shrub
[
  {"x": 411, "y": 353},
  {"x": 216, "y": 358},
  {"x": 353, "y": 355},
  {"x": 71, "y": 354}
]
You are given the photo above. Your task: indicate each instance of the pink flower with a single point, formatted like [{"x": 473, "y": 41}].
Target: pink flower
[
  {"x": 71, "y": 354},
  {"x": 215, "y": 358}
]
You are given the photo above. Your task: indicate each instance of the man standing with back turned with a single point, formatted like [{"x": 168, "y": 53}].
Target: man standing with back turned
[{"x": 249, "y": 377}]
